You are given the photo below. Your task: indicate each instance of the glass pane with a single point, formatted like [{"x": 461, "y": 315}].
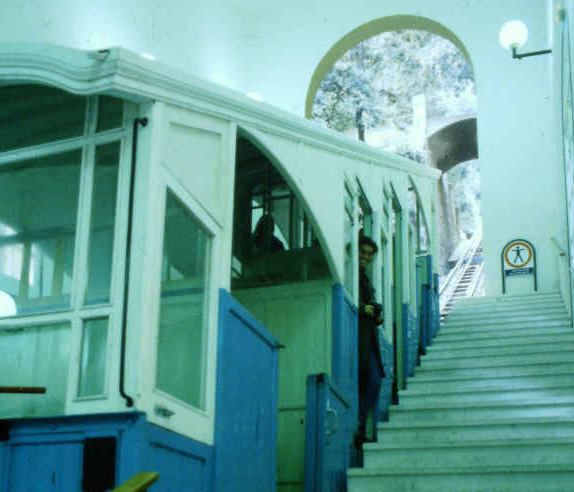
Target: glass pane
[
  {"x": 349, "y": 265},
  {"x": 36, "y": 356},
  {"x": 180, "y": 357},
  {"x": 102, "y": 223},
  {"x": 110, "y": 113},
  {"x": 38, "y": 209},
  {"x": 33, "y": 114},
  {"x": 94, "y": 355},
  {"x": 280, "y": 209}
]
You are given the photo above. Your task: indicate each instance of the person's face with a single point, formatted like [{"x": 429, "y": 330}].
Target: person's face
[{"x": 366, "y": 254}]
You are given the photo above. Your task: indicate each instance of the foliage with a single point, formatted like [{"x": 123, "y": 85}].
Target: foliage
[{"x": 373, "y": 85}]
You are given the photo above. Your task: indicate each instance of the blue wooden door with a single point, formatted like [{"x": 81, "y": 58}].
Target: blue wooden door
[
  {"x": 329, "y": 433},
  {"x": 246, "y": 418}
]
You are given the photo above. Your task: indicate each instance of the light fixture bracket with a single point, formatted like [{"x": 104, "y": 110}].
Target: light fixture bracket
[{"x": 515, "y": 54}]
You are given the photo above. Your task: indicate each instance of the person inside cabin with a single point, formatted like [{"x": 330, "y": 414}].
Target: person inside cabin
[
  {"x": 371, "y": 369},
  {"x": 264, "y": 241}
]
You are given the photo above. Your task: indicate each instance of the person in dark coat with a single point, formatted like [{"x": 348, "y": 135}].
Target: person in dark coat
[{"x": 371, "y": 369}]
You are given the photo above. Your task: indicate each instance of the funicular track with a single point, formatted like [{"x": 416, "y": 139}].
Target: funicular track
[{"x": 466, "y": 276}]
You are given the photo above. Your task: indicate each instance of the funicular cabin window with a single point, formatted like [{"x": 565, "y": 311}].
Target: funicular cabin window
[
  {"x": 181, "y": 338},
  {"x": 102, "y": 223},
  {"x": 349, "y": 229},
  {"x": 39, "y": 208},
  {"x": 60, "y": 160},
  {"x": 273, "y": 238},
  {"x": 33, "y": 115}
]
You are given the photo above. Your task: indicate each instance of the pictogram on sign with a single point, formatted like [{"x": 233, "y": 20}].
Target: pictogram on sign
[{"x": 518, "y": 258}]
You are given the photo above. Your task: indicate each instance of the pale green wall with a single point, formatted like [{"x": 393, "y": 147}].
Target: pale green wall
[
  {"x": 274, "y": 50},
  {"x": 199, "y": 36}
]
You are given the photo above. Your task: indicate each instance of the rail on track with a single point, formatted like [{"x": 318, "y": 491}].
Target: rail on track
[{"x": 465, "y": 277}]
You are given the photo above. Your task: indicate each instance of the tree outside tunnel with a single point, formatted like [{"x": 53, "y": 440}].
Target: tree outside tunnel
[{"x": 399, "y": 90}]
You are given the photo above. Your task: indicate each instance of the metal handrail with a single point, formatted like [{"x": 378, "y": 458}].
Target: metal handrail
[
  {"x": 472, "y": 245},
  {"x": 459, "y": 269},
  {"x": 476, "y": 280}
]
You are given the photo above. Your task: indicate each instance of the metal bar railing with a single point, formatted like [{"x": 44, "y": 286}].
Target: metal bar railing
[
  {"x": 475, "y": 280},
  {"x": 458, "y": 271}
]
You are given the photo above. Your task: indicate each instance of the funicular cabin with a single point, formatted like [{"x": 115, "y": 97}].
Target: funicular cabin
[{"x": 178, "y": 272}]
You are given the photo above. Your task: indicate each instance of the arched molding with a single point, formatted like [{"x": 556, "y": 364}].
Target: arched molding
[
  {"x": 127, "y": 75},
  {"x": 419, "y": 201},
  {"x": 365, "y": 31},
  {"x": 243, "y": 132},
  {"x": 421, "y": 207},
  {"x": 395, "y": 197}
]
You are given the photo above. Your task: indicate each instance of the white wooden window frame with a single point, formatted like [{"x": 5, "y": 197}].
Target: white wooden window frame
[
  {"x": 78, "y": 313},
  {"x": 162, "y": 408},
  {"x": 349, "y": 186}
]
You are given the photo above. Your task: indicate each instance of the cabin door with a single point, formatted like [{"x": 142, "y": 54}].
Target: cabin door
[{"x": 329, "y": 432}]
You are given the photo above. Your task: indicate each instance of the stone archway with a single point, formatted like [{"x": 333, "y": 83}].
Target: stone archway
[{"x": 365, "y": 31}]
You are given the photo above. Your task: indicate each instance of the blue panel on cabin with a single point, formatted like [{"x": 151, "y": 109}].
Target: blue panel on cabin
[
  {"x": 385, "y": 397},
  {"x": 345, "y": 367},
  {"x": 46, "y": 466},
  {"x": 426, "y": 312},
  {"x": 246, "y": 407},
  {"x": 405, "y": 344},
  {"x": 434, "y": 312},
  {"x": 429, "y": 276},
  {"x": 47, "y": 454},
  {"x": 183, "y": 464},
  {"x": 410, "y": 341},
  {"x": 328, "y": 436}
]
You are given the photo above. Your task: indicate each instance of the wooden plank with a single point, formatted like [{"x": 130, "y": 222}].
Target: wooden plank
[
  {"x": 138, "y": 483},
  {"x": 22, "y": 389}
]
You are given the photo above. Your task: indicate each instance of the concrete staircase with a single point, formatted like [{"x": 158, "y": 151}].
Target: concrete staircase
[{"x": 490, "y": 409}]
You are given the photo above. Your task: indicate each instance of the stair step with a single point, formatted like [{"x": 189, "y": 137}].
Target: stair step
[
  {"x": 496, "y": 351},
  {"x": 478, "y": 452},
  {"x": 461, "y": 412},
  {"x": 433, "y": 432},
  {"x": 462, "y": 304},
  {"x": 490, "y": 409},
  {"x": 502, "y": 327},
  {"x": 462, "y": 317},
  {"x": 503, "y": 308},
  {"x": 413, "y": 401},
  {"x": 566, "y": 354},
  {"x": 506, "y": 299},
  {"x": 423, "y": 374},
  {"x": 519, "y": 320},
  {"x": 501, "y": 478},
  {"x": 561, "y": 336},
  {"x": 498, "y": 334},
  {"x": 416, "y": 387}
]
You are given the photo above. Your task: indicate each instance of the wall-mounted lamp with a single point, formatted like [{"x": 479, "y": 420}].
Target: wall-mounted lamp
[{"x": 513, "y": 35}]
